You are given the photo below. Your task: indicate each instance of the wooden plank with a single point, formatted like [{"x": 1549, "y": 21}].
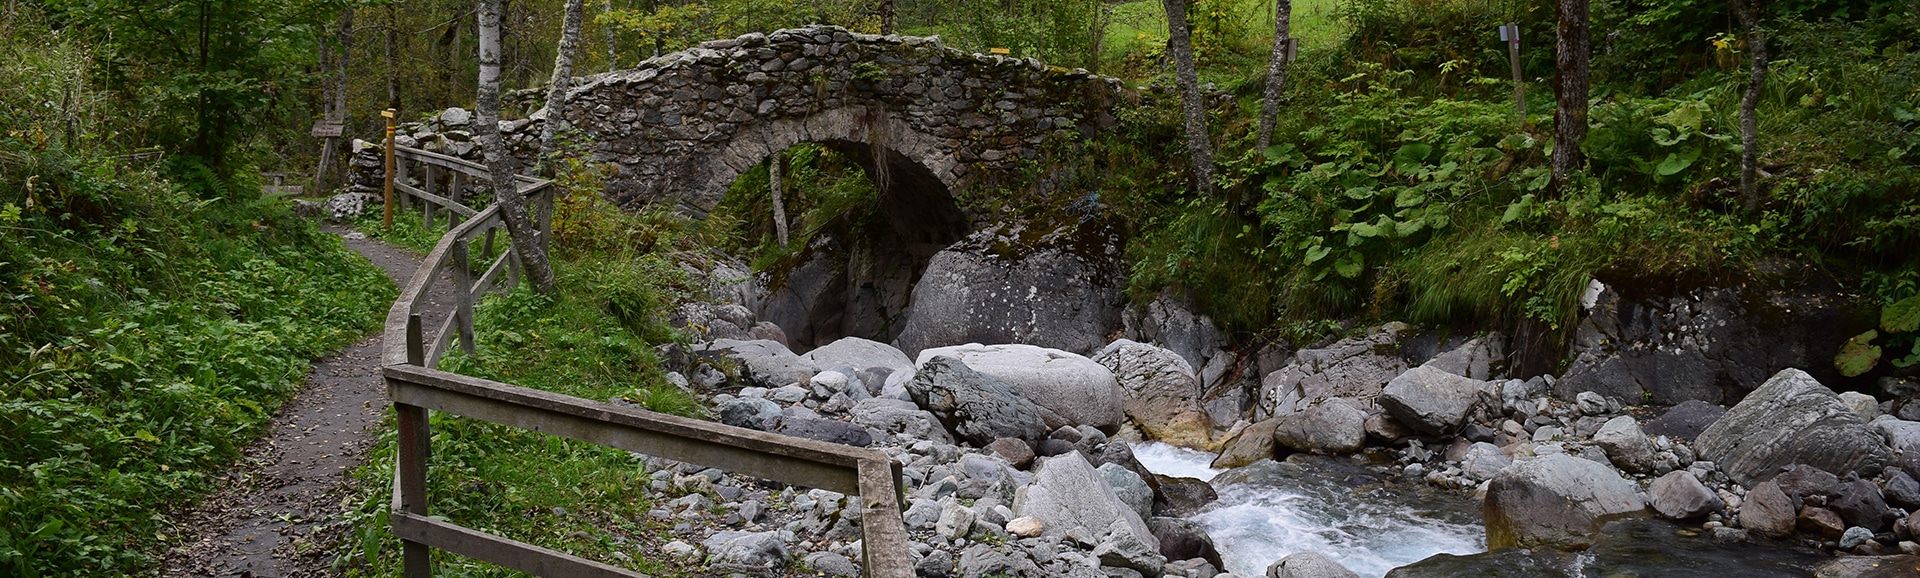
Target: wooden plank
[
  {"x": 505, "y": 552},
  {"x": 430, "y": 198},
  {"x": 771, "y": 456},
  {"x": 884, "y": 550}
]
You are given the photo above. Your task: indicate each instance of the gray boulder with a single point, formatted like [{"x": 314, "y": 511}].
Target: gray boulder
[
  {"x": 1067, "y": 493},
  {"x": 1431, "y": 401},
  {"x": 1071, "y": 386},
  {"x": 899, "y": 417},
  {"x": 1792, "y": 419},
  {"x": 859, "y": 354},
  {"x": 826, "y": 430},
  {"x": 1308, "y": 564},
  {"x": 749, "y": 412},
  {"x": 1556, "y": 500},
  {"x": 1625, "y": 444},
  {"x": 1160, "y": 393},
  {"x": 1685, "y": 421},
  {"x": 1182, "y": 539},
  {"x": 977, "y": 407},
  {"x": 1484, "y": 461},
  {"x": 1681, "y": 496},
  {"x": 348, "y": 205},
  {"x": 1130, "y": 487},
  {"x": 1478, "y": 358},
  {"x": 1125, "y": 547},
  {"x": 1169, "y": 322},
  {"x": 763, "y": 363},
  {"x": 1354, "y": 368},
  {"x": 831, "y": 564},
  {"x": 1332, "y": 426},
  {"x": 981, "y": 560},
  {"x": 1059, "y": 289},
  {"x": 748, "y": 550}
]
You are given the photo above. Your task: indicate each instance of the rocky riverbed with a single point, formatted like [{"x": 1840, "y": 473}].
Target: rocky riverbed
[{"x": 1027, "y": 461}]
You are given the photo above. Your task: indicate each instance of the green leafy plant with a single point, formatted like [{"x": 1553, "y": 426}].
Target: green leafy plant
[{"x": 1900, "y": 321}]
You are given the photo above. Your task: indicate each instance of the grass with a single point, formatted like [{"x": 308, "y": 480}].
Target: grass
[{"x": 146, "y": 336}]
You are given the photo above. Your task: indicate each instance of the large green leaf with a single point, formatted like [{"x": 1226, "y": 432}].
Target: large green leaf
[
  {"x": 1410, "y": 155},
  {"x": 1350, "y": 265},
  {"x": 1317, "y": 253},
  {"x": 1518, "y": 209},
  {"x": 1858, "y": 355},
  {"x": 1409, "y": 197},
  {"x": 1677, "y": 161},
  {"x": 1902, "y": 316},
  {"x": 1367, "y": 230},
  {"x": 1408, "y": 227}
]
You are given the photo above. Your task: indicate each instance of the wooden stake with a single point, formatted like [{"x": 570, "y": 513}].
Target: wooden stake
[
  {"x": 1511, "y": 34},
  {"x": 392, "y": 117}
]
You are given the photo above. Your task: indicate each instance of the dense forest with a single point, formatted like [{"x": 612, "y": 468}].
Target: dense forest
[{"x": 156, "y": 306}]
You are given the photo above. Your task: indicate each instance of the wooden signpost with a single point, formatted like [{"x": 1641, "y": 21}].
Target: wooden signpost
[{"x": 1510, "y": 34}]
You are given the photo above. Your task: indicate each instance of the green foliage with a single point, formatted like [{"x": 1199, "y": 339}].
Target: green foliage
[
  {"x": 1062, "y": 33},
  {"x": 145, "y": 336},
  {"x": 676, "y": 26}
]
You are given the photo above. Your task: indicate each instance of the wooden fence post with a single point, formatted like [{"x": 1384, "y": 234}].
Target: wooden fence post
[
  {"x": 1511, "y": 34},
  {"x": 411, "y": 470},
  {"x": 392, "y": 118}
]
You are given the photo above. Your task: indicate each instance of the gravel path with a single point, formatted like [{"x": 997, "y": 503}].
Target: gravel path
[{"x": 281, "y": 504}]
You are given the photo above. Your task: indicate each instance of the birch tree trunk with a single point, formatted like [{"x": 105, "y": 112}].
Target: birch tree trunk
[
  {"x": 336, "y": 105},
  {"x": 1276, "y": 70},
  {"x": 1749, "y": 120},
  {"x": 1180, "y": 46},
  {"x": 774, "y": 187},
  {"x": 1574, "y": 46},
  {"x": 557, "y": 86},
  {"x": 613, "y": 40},
  {"x": 513, "y": 207}
]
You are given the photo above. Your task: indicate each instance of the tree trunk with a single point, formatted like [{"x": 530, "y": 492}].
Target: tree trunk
[
  {"x": 774, "y": 186},
  {"x": 327, "y": 175},
  {"x": 613, "y": 42},
  {"x": 1570, "y": 89},
  {"x": 393, "y": 84},
  {"x": 557, "y": 86},
  {"x": 513, "y": 207},
  {"x": 1180, "y": 45},
  {"x": 1749, "y": 121},
  {"x": 1276, "y": 70}
]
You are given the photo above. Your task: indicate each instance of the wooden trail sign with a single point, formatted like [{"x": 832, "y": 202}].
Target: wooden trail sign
[
  {"x": 1510, "y": 34},
  {"x": 327, "y": 129}
]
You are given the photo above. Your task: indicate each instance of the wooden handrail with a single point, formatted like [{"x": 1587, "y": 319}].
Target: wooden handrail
[{"x": 414, "y": 387}]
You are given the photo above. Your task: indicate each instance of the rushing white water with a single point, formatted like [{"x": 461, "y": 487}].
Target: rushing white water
[{"x": 1368, "y": 532}]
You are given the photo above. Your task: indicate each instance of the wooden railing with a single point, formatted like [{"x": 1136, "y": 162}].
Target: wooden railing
[{"x": 415, "y": 387}]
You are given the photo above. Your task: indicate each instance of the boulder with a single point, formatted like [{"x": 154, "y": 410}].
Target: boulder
[
  {"x": 981, "y": 560},
  {"x": 1333, "y": 426},
  {"x": 1431, "y": 401},
  {"x": 899, "y": 417},
  {"x": 976, "y": 407},
  {"x": 1862, "y": 404},
  {"x": 1125, "y": 547},
  {"x": 1252, "y": 444},
  {"x": 750, "y": 550},
  {"x": 1681, "y": 496},
  {"x": 1010, "y": 284},
  {"x": 956, "y": 521},
  {"x": 1556, "y": 500},
  {"x": 831, "y": 564},
  {"x": 1820, "y": 521},
  {"x": 1175, "y": 496},
  {"x": 1355, "y": 368},
  {"x": 1072, "y": 386},
  {"x": 1478, "y": 358},
  {"x": 1484, "y": 461},
  {"x": 1859, "y": 503},
  {"x": 1184, "y": 540},
  {"x": 1791, "y": 419},
  {"x": 1625, "y": 445},
  {"x": 858, "y": 354},
  {"x": 1902, "y": 435},
  {"x": 1024, "y": 526},
  {"x": 826, "y": 430},
  {"x": 1130, "y": 487},
  {"x": 1767, "y": 511},
  {"x": 763, "y": 363},
  {"x": 1168, "y": 321},
  {"x": 1902, "y": 489},
  {"x": 1017, "y": 452},
  {"x": 1870, "y": 567},
  {"x": 1685, "y": 421},
  {"x": 1308, "y": 564},
  {"x": 749, "y": 412},
  {"x": 1712, "y": 345},
  {"x": 1160, "y": 393},
  {"x": 1067, "y": 493}
]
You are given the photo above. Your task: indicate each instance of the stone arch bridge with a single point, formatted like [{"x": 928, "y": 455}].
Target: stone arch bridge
[{"x": 681, "y": 127}]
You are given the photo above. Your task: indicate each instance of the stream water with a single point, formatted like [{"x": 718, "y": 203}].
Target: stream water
[{"x": 1335, "y": 506}]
